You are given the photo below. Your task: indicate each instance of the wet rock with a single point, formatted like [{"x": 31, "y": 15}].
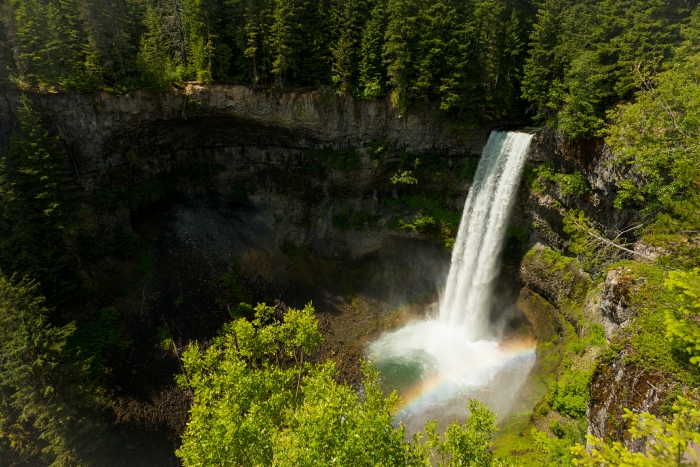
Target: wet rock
[
  {"x": 614, "y": 301},
  {"x": 544, "y": 318},
  {"x": 557, "y": 278}
]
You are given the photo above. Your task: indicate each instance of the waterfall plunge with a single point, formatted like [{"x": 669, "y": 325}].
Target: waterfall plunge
[
  {"x": 482, "y": 231},
  {"x": 455, "y": 353}
]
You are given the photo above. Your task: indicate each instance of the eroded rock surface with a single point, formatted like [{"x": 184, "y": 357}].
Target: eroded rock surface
[
  {"x": 614, "y": 301},
  {"x": 617, "y": 385}
]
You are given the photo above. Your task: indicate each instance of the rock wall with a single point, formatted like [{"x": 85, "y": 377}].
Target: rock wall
[
  {"x": 257, "y": 138},
  {"x": 99, "y": 129},
  {"x": 594, "y": 160}
]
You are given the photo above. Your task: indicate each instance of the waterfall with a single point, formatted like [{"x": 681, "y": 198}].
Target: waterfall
[
  {"x": 482, "y": 232},
  {"x": 444, "y": 358}
]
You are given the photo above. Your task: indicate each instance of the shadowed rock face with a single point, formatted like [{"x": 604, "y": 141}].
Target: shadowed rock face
[{"x": 99, "y": 129}]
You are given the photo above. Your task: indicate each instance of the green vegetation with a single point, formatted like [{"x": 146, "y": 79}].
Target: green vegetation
[
  {"x": 659, "y": 135},
  {"x": 450, "y": 54},
  {"x": 682, "y": 324},
  {"x": 583, "y": 56},
  {"x": 566, "y": 61},
  {"x": 569, "y": 184},
  {"x": 92, "y": 340},
  {"x": 48, "y": 413},
  {"x": 39, "y": 212},
  {"x": 258, "y": 400},
  {"x": 667, "y": 441},
  {"x": 165, "y": 338},
  {"x": 431, "y": 216}
]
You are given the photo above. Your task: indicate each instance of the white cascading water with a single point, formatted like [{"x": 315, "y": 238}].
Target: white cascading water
[
  {"x": 455, "y": 350},
  {"x": 482, "y": 232}
]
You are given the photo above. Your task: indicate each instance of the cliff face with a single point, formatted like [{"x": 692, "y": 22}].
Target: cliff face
[
  {"x": 100, "y": 129},
  {"x": 253, "y": 140}
]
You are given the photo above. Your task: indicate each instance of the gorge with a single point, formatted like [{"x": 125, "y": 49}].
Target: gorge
[{"x": 253, "y": 196}]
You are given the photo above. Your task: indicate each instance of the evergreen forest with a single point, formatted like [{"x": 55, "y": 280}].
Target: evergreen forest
[
  {"x": 259, "y": 382},
  {"x": 559, "y": 62}
]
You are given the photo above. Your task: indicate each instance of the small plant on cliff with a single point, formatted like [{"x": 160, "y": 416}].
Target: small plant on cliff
[{"x": 404, "y": 177}]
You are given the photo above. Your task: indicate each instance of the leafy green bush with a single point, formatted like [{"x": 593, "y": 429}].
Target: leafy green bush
[
  {"x": 569, "y": 395},
  {"x": 422, "y": 223},
  {"x": 258, "y": 400},
  {"x": 569, "y": 184},
  {"x": 378, "y": 149},
  {"x": 667, "y": 442},
  {"x": 683, "y": 324},
  {"x": 404, "y": 177},
  {"x": 573, "y": 184},
  {"x": 165, "y": 338}
]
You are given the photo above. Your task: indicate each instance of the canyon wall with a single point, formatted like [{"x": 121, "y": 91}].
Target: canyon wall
[{"x": 261, "y": 139}]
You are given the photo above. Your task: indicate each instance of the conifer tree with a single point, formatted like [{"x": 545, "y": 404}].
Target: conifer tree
[
  {"x": 153, "y": 60},
  {"x": 315, "y": 55},
  {"x": 284, "y": 39},
  {"x": 46, "y": 405},
  {"x": 109, "y": 26},
  {"x": 372, "y": 80},
  {"x": 35, "y": 56},
  {"x": 542, "y": 71},
  {"x": 38, "y": 207},
  {"x": 400, "y": 50}
]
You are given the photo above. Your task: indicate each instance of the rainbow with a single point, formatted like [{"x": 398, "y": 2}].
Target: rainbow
[{"x": 443, "y": 386}]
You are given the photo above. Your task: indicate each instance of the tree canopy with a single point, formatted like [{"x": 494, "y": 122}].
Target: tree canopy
[{"x": 258, "y": 400}]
